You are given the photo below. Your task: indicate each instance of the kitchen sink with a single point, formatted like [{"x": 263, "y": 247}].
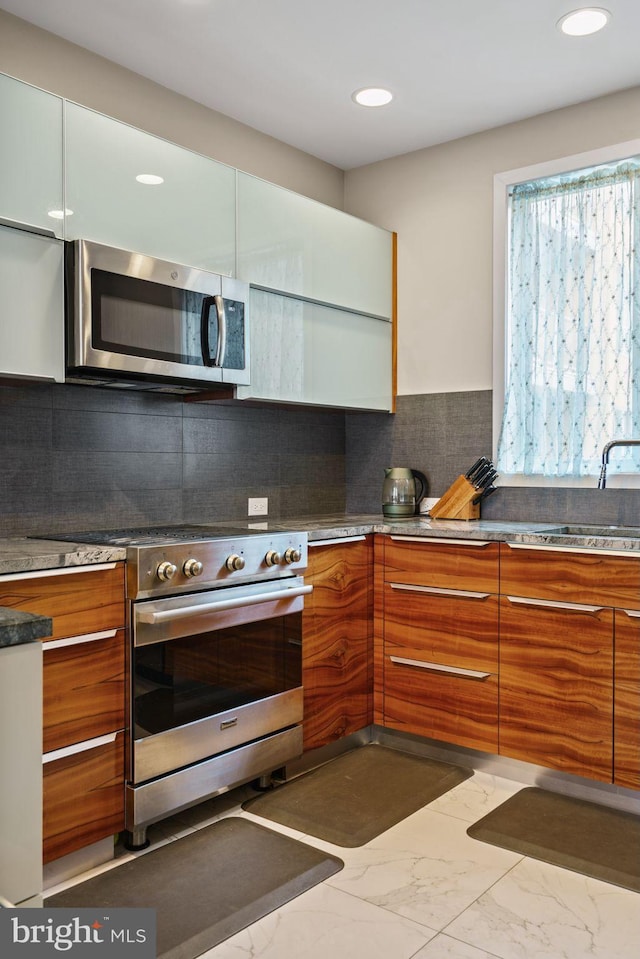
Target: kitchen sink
[{"x": 609, "y": 532}]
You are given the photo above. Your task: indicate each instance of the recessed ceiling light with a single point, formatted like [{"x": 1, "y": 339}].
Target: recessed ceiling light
[
  {"x": 59, "y": 214},
  {"x": 580, "y": 23},
  {"x": 372, "y": 97},
  {"x": 150, "y": 179}
]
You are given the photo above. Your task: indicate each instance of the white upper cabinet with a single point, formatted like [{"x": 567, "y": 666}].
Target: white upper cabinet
[
  {"x": 293, "y": 244},
  {"x": 30, "y": 157},
  {"x": 304, "y": 352},
  {"x": 32, "y": 325},
  {"x": 188, "y": 218}
]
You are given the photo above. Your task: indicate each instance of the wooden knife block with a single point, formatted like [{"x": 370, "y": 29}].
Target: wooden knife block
[{"x": 457, "y": 502}]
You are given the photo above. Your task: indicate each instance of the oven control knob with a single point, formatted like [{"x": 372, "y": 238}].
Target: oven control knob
[
  {"x": 192, "y": 567},
  {"x": 273, "y": 557},
  {"x": 292, "y": 555},
  {"x": 166, "y": 571},
  {"x": 234, "y": 562}
]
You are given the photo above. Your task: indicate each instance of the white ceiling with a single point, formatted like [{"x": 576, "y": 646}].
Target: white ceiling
[{"x": 288, "y": 67}]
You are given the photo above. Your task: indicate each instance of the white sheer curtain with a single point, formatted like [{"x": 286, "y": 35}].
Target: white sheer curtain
[{"x": 573, "y": 321}]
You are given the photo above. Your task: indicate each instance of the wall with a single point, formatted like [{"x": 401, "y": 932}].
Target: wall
[
  {"x": 74, "y": 457},
  {"x": 38, "y": 57},
  {"x": 440, "y": 202},
  {"x": 80, "y": 457}
]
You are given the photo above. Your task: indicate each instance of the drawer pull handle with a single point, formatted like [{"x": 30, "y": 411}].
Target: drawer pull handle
[
  {"x": 78, "y": 748},
  {"x": 577, "y": 607},
  {"x": 439, "y": 668},
  {"x": 440, "y": 591},
  {"x": 442, "y": 540},
  {"x": 335, "y": 542},
  {"x": 78, "y": 640},
  {"x": 61, "y": 571},
  {"x": 633, "y": 613},
  {"x": 594, "y": 551}
]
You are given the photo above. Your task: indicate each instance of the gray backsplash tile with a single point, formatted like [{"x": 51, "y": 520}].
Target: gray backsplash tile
[
  {"x": 72, "y": 397},
  {"x": 80, "y": 457},
  {"x": 76, "y": 510},
  {"x": 442, "y": 434},
  {"x": 25, "y": 427},
  {"x": 89, "y": 471},
  {"x": 225, "y": 470},
  {"x": 97, "y": 430}
]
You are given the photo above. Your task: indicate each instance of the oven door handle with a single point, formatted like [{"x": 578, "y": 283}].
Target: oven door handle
[{"x": 173, "y": 615}]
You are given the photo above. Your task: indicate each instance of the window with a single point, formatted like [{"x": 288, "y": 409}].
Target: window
[{"x": 569, "y": 329}]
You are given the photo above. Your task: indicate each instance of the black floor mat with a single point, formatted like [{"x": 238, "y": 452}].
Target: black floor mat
[
  {"x": 588, "y": 838},
  {"x": 355, "y": 797},
  {"x": 208, "y": 885}
]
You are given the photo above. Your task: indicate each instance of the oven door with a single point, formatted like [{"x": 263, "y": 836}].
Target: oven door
[{"x": 213, "y": 670}]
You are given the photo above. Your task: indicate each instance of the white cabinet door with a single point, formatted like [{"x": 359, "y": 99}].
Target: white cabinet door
[
  {"x": 293, "y": 244},
  {"x": 30, "y": 157},
  {"x": 32, "y": 321},
  {"x": 307, "y": 353},
  {"x": 188, "y": 218}
]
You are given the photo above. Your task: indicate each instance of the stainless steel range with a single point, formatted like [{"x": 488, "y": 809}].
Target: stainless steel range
[{"x": 215, "y": 661}]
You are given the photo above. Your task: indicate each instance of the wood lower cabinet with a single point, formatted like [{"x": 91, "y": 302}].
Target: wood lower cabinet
[
  {"x": 80, "y": 599},
  {"x": 559, "y": 628},
  {"x": 626, "y": 701},
  {"x": 83, "y": 688},
  {"x": 556, "y": 690},
  {"x": 336, "y": 645},
  {"x": 437, "y": 639},
  {"x": 597, "y": 577},
  {"x": 83, "y": 699},
  {"x": 83, "y": 796}
]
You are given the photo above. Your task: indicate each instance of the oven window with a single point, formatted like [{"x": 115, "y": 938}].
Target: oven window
[
  {"x": 139, "y": 318},
  {"x": 191, "y": 678}
]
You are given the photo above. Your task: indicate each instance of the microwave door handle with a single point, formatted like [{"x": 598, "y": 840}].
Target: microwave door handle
[
  {"x": 205, "y": 345},
  {"x": 221, "y": 348}
]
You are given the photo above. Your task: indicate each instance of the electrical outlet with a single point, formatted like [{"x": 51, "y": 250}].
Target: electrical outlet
[{"x": 258, "y": 506}]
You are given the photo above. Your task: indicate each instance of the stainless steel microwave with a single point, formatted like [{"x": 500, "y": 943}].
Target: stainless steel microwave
[{"x": 137, "y": 319}]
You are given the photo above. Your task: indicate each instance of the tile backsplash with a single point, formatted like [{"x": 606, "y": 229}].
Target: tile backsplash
[
  {"x": 442, "y": 434},
  {"x": 80, "y": 457}
]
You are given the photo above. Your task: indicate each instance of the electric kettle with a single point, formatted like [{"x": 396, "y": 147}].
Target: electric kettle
[{"x": 402, "y": 490}]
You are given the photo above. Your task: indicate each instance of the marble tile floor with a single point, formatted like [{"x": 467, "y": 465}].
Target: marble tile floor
[{"x": 425, "y": 890}]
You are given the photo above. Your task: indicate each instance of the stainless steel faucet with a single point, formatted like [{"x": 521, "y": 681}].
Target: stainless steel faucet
[{"x": 602, "y": 482}]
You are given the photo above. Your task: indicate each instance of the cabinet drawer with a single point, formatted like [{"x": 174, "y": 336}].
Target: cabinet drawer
[
  {"x": 556, "y": 678},
  {"x": 446, "y": 706},
  {"x": 85, "y": 600},
  {"x": 83, "y": 689},
  {"x": 626, "y": 698},
  {"x": 447, "y": 627},
  {"x": 579, "y": 576},
  {"x": 449, "y": 564},
  {"x": 83, "y": 798}
]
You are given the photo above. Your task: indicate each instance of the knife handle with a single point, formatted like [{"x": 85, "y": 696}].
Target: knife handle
[{"x": 478, "y": 463}]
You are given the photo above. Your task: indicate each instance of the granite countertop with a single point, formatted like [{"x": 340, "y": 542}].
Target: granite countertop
[
  {"x": 573, "y": 536},
  {"x": 19, "y": 555},
  {"x": 17, "y": 627},
  {"x": 23, "y": 554}
]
